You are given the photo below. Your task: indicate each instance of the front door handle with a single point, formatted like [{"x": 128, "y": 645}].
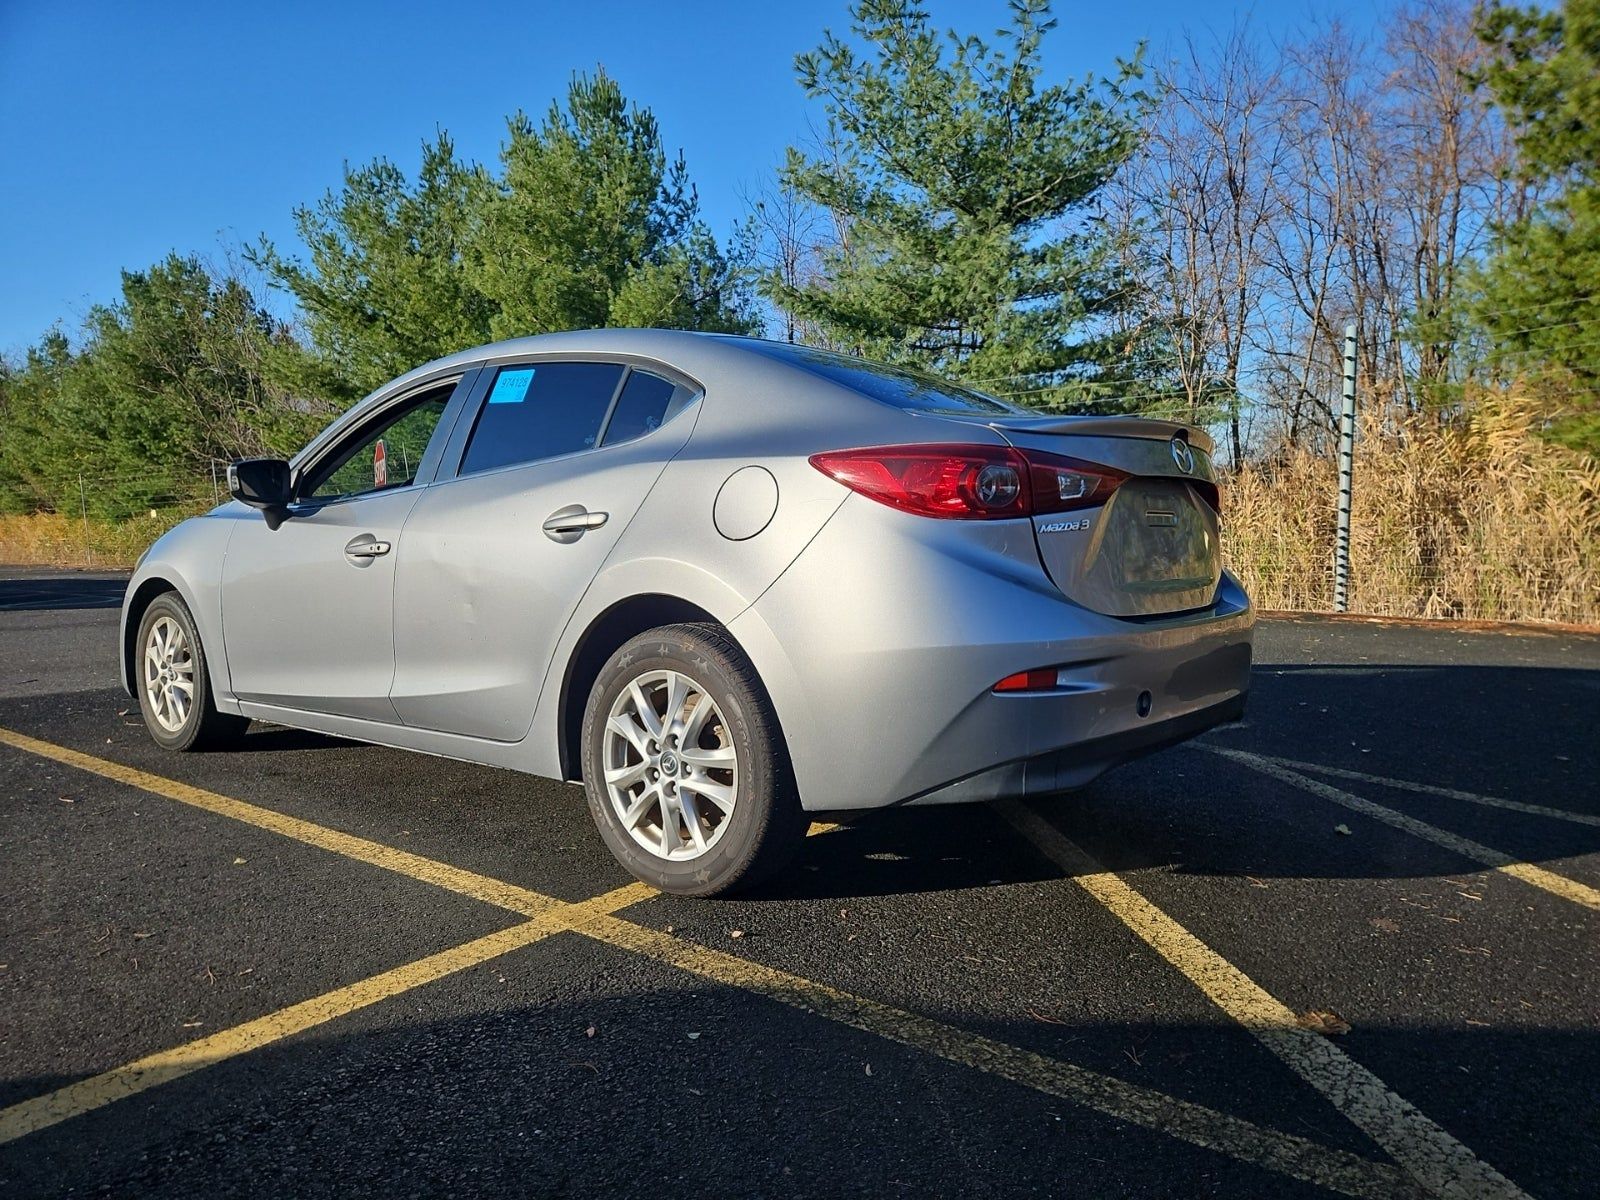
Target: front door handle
[
  {"x": 365, "y": 548},
  {"x": 571, "y": 523}
]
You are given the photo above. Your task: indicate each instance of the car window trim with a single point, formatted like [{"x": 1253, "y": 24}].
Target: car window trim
[{"x": 338, "y": 438}]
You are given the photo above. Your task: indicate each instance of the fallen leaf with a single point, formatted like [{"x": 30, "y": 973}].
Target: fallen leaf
[
  {"x": 1320, "y": 1021},
  {"x": 238, "y": 862},
  {"x": 736, "y": 933},
  {"x": 1387, "y": 924},
  {"x": 1344, "y": 829}
]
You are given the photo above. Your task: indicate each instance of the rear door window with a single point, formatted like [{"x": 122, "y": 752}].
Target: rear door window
[
  {"x": 647, "y": 403},
  {"x": 541, "y": 410}
]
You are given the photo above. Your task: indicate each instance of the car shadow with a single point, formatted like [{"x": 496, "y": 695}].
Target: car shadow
[
  {"x": 278, "y": 739},
  {"x": 525, "y": 1097}
]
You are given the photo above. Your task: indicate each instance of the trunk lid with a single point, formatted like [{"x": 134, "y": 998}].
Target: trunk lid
[{"x": 1152, "y": 548}]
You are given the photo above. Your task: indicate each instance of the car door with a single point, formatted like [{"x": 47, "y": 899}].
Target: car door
[
  {"x": 552, "y": 467},
  {"x": 307, "y": 608}
]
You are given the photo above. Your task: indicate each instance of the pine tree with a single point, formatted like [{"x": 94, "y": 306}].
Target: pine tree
[
  {"x": 964, "y": 188},
  {"x": 1540, "y": 292}
]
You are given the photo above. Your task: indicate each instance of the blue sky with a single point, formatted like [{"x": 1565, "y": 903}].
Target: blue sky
[{"x": 135, "y": 128}]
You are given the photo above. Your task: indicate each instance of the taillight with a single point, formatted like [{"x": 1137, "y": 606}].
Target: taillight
[
  {"x": 970, "y": 482},
  {"x": 1061, "y": 483}
]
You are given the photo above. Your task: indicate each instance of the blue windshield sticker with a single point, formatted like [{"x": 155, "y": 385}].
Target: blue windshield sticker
[{"x": 511, "y": 386}]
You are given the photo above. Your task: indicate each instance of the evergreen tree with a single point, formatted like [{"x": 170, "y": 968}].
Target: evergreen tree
[
  {"x": 1540, "y": 292},
  {"x": 591, "y": 225},
  {"x": 587, "y": 225},
  {"x": 964, "y": 187},
  {"x": 388, "y": 286},
  {"x": 185, "y": 369}
]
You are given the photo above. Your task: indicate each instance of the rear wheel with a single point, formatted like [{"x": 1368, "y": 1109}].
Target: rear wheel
[
  {"x": 684, "y": 766},
  {"x": 174, "y": 688}
]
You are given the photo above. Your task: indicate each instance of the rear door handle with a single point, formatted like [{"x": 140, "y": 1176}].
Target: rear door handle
[{"x": 571, "y": 523}]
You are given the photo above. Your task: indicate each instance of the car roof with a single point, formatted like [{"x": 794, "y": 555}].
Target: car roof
[{"x": 679, "y": 348}]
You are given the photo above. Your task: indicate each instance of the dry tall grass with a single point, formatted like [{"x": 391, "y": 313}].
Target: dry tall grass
[
  {"x": 58, "y": 540},
  {"x": 1479, "y": 520}
]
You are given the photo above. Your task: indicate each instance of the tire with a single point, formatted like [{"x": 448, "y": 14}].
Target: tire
[
  {"x": 167, "y": 656},
  {"x": 721, "y": 773}
]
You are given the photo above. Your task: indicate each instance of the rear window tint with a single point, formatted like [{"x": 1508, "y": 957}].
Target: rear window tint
[
  {"x": 540, "y": 411},
  {"x": 890, "y": 385}
]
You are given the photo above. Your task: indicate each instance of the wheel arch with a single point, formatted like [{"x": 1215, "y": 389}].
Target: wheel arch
[
  {"x": 610, "y": 629},
  {"x": 141, "y": 595},
  {"x": 134, "y": 608}
]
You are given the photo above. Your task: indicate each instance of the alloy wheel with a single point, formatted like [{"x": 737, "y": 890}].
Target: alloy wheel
[
  {"x": 671, "y": 773},
  {"x": 169, "y": 674}
]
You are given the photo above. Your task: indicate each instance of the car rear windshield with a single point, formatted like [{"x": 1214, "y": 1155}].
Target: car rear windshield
[{"x": 891, "y": 385}]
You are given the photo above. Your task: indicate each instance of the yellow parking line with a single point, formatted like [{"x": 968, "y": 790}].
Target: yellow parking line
[
  {"x": 166, "y": 1065},
  {"x": 1194, "y": 1123},
  {"x": 1556, "y": 885},
  {"x": 1433, "y": 789},
  {"x": 428, "y": 870},
  {"x": 1435, "y": 1159}
]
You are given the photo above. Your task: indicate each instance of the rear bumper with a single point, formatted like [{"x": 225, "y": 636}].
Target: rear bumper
[
  {"x": 1074, "y": 766},
  {"x": 882, "y": 643}
]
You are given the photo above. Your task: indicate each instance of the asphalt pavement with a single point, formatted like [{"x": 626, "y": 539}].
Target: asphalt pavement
[{"x": 1347, "y": 947}]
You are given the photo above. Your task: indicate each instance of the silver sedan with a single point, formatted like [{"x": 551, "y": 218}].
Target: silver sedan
[{"x": 724, "y": 582}]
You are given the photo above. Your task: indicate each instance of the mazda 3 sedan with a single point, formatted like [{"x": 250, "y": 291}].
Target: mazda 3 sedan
[{"x": 723, "y": 582}]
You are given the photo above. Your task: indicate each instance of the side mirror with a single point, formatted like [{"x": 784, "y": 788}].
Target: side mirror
[{"x": 261, "y": 483}]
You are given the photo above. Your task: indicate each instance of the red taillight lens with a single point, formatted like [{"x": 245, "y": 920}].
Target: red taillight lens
[
  {"x": 1061, "y": 483},
  {"x": 970, "y": 482},
  {"x": 1040, "y": 679},
  {"x": 965, "y": 482}
]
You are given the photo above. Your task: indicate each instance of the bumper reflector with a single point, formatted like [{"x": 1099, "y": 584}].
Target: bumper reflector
[{"x": 1041, "y": 679}]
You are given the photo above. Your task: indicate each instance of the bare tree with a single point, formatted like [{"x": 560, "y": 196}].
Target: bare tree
[{"x": 1204, "y": 187}]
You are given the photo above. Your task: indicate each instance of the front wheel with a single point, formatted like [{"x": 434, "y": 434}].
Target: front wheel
[
  {"x": 173, "y": 684},
  {"x": 684, "y": 765}
]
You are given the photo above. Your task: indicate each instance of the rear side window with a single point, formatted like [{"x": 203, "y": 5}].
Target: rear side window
[
  {"x": 647, "y": 403},
  {"x": 541, "y": 410}
]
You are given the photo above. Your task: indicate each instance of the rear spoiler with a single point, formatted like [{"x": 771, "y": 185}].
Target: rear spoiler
[{"x": 1131, "y": 427}]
